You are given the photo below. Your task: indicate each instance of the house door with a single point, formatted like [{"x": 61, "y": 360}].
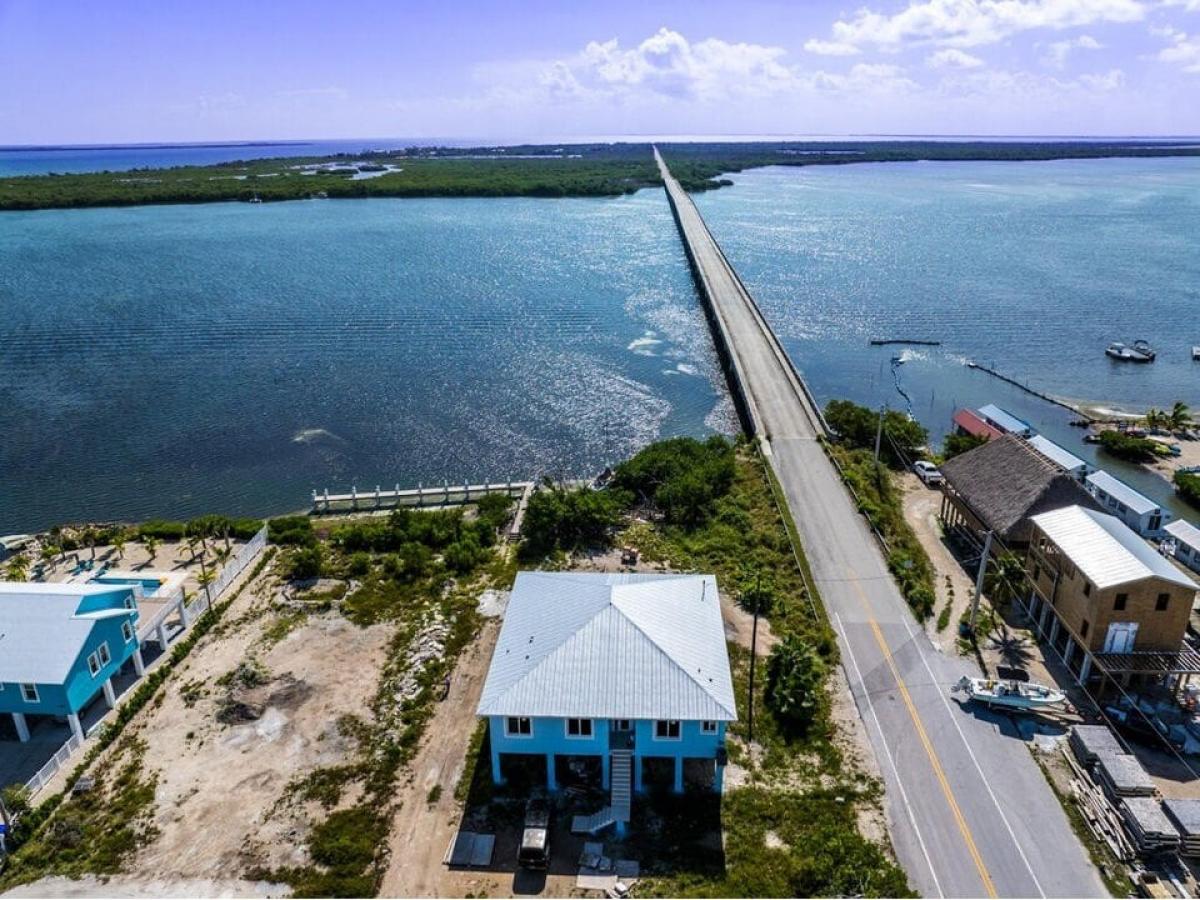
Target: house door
[{"x": 1120, "y": 637}]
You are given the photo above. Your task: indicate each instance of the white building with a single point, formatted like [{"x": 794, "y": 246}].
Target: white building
[
  {"x": 1136, "y": 510},
  {"x": 1185, "y": 538},
  {"x": 1060, "y": 456}
]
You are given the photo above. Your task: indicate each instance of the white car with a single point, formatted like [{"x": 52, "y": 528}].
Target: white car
[{"x": 928, "y": 472}]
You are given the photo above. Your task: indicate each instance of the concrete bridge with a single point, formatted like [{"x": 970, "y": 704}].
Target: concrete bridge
[{"x": 970, "y": 813}]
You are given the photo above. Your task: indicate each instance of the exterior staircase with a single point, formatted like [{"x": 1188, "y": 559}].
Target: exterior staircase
[
  {"x": 622, "y": 785},
  {"x": 620, "y": 800}
]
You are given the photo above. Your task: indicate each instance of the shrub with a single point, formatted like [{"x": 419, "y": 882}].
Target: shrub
[
  {"x": 954, "y": 444},
  {"x": 558, "y": 518},
  {"x": 682, "y": 476},
  {"x": 1127, "y": 447},
  {"x": 795, "y": 675},
  {"x": 856, "y": 427},
  {"x": 1187, "y": 485},
  {"x": 359, "y": 564},
  {"x": 293, "y": 530},
  {"x": 494, "y": 510},
  {"x": 160, "y": 529},
  {"x": 306, "y": 563},
  {"x": 244, "y": 529}
]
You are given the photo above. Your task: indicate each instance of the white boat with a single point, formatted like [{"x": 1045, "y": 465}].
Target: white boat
[
  {"x": 1196, "y": 351},
  {"x": 1140, "y": 352},
  {"x": 1019, "y": 695}
]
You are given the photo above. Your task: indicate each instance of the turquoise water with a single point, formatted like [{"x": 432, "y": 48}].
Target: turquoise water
[
  {"x": 149, "y": 585},
  {"x": 1029, "y": 268},
  {"x": 233, "y": 357}
]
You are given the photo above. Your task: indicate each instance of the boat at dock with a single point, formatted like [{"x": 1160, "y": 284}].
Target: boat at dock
[
  {"x": 1139, "y": 352},
  {"x": 1196, "y": 351},
  {"x": 1015, "y": 695}
]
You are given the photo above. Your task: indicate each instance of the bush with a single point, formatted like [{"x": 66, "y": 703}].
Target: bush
[
  {"x": 558, "y": 518},
  {"x": 293, "y": 530},
  {"x": 160, "y": 529},
  {"x": 1187, "y": 485},
  {"x": 462, "y": 556},
  {"x": 244, "y": 529},
  {"x": 954, "y": 444},
  {"x": 359, "y": 564},
  {"x": 494, "y": 510},
  {"x": 795, "y": 679},
  {"x": 856, "y": 427},
  {"x": 682, "y": 476},
  {"x": 306, "y": 563},
  {"x": 1127, "y": 447}
]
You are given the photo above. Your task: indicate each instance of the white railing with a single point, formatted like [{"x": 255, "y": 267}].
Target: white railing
[
  {"x": 56, "y": 762},
  {"x": 236, "y": 566}
]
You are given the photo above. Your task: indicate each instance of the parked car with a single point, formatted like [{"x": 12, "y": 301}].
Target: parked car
[
  {"x": 928, "y": 472},
  {"x": 535, "y": 837}
]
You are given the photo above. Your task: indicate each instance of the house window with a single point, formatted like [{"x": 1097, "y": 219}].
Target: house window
[
  {"x": 1083, "y": 629},
  {"x": 127, "y": 631},
  {"x": 29, "y": 693},
  {"x": 93, "y": 664},
  {"x": 103, "y": 655},
  {"x": 1087, "y": 589},
  {"x": 621, "y": 724},
  {"x": 1161, "y": 603},
  {"x": 579, "y": 728},
  {"x": 518, "y": 726},
  {"x": 1156, "y": 522},
  {"x": 129, "y": 601},
  {"x": 1119, "y": 603},
  {"x": 666, "y": 730},
  {"x": 708, "y": 727}
]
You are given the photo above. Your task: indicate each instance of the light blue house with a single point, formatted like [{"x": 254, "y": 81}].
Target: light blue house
[
  {"x": 60, "y": 645},
  {"x": 618, "y": 679}
]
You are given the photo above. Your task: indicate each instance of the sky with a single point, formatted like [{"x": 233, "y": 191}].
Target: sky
[{"x": 122, "y": 71}]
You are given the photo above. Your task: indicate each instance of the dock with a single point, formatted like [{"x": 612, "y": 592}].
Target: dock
[{"x": 445, "y": 494}]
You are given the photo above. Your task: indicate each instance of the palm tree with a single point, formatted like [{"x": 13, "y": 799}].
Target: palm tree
[
  {"x": 756, "y": 598},
  {"x": 1006, "y": 579},
  {"x": 17, "y": 568},
  {"x": 222, "y": 554},
  {"x": 204, "y": 579},
  {"x": 1154, "y": 418},
  {"x": 1180, "y": 416},
  {"x": 118, "y": 543},
  {"x": 151, "y": 543},
  {"x": 89, "y": 538},
  {"x": 48, "y": 554}
]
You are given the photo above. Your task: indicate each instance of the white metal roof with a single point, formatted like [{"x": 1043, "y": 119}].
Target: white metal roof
[
  {"x": 41, "y": 632},
  {"x": 1060, "y": 456},
  {"x": 613, "y": 646},
  {"x": 1139, "y": 503},
  {"x": 1105, "y": 549},
  {"x": 1184, "y": 532},
  {"x": 1004, "y": 420}
]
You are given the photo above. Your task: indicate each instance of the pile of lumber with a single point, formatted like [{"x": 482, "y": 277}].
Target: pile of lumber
[
  {"x": 1123, "y": 776},
  {"x": 1149, "y": 826},
  {"x": 1088, "y": 741},
  {"x": 1186, "y": 816},
  {"x": 1102, "y": 819}
]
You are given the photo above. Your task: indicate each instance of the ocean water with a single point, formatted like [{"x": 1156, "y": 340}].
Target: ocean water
[
  {"x": 1030, "y": 268},
  {"x": 176, "y": 360}
]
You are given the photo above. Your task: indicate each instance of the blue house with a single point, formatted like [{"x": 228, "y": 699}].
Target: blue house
[
  {"x": 622, "y": 680},
  {"x": 60, "y": 645}
]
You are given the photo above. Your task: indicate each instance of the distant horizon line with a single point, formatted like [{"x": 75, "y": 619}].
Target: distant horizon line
[{"x": 629, "y": 137}]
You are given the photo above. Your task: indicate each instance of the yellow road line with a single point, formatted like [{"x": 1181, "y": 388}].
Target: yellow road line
[{"x": 934, "y": 761}]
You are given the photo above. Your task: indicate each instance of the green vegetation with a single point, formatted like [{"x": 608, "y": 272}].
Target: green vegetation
[
  {"x": 1128, "y": 447},
  {"x": 902, "y": 441},
  {"x": 954, "y": 444},
  {"x": 878, "y": 498},
  {"x": 1177, "y": 419},
  {"x": 578, "y": 170},
  {"x": 559, "y": 518},
  {"x": 682, "y": 477},
  {"x": 1187, "y": 485},
  {"x": 795, "y": 682},
  {"x": 296, "y": 531}
]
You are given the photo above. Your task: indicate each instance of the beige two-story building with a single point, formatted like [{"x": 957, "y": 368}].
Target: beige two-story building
[{"x": 1102, "y": 590}]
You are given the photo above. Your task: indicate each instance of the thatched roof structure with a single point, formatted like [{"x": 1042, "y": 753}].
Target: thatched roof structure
[{"x": 1005, "y": 481}]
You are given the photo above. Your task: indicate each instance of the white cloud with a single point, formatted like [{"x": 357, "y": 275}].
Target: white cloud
[
  {"x": 1112, "y": 80},
  {"x": 1183, "y": 52},
  {"x": 863, "y": 78},
  {"x": 830, "y": 48},
  {"x": 1057, "y": 52},
  {"x": 1188, "y": 5},
  {"x": 971, "y": 23},
  {"x": 953, "y": 58},
  {"x": 666, "y": 63}
]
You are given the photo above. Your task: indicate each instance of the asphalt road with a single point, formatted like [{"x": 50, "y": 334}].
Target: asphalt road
[{"x": 970, "y": 813}]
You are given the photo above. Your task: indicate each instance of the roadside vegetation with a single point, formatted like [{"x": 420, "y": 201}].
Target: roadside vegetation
[
  {"x": 791, "y": 827},
  {"x": 577, "y": 170},
  {"x": 877, "y": 494},
  {"x": 1187, "y": 485}
]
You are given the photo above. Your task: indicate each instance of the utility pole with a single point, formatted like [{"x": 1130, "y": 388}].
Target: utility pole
[{"x": 983, "y": 561}]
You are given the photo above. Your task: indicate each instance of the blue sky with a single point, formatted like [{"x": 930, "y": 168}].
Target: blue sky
[{"x": 91, "y": 72}]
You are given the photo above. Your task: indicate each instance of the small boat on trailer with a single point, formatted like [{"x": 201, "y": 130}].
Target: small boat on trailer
[{"x": 1015, "y": 695}]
